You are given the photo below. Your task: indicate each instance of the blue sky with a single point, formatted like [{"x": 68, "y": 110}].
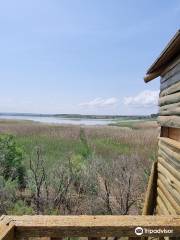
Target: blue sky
[{"x": 82, "y": 56}]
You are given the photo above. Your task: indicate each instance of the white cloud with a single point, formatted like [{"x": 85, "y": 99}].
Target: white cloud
[
  {"x": 143, "y": 99},
  {"x": 100, "y": 103}
]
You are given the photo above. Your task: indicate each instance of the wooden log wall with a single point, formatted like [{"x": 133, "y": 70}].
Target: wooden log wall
[{"x": 168, "y": 167}]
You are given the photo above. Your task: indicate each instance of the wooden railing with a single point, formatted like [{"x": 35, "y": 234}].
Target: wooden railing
[{"x": 58, "y": 227}]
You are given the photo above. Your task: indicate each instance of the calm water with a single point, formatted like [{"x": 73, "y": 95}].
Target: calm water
[{"x": 58, "y": 120}]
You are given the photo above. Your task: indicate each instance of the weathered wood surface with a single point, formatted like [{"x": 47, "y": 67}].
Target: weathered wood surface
[
  {"x": 165, "y": 203},
  {"x": 169, "y": 99},
  {"x": 170, "y": 148},
  {"x": 6, "y": 231},
  {"x": 173, "y": 206},
  {"x": 169, "y": 159},
  {"x": 153, "y": 75},
  {"x": 170, "y": 142},
  {"x": 174, "y": 133},
  {"x": 171, "y": 70},
  {"x": 161, "y": 208},
  {"x": 170, "y": 168},
  {"x": 175, "y": 194},
  {"x": 91, "y": 226},
  {"x": 170, "y": 109},
  {"x": 168, "y": 176},
  {"x": 170, "y": 81},
  {"x": 169, "y": 121},
  {"x": 172, "y": 89},
  {"x": 173, "y": 180},
  {"x": 151, "y": 192}
]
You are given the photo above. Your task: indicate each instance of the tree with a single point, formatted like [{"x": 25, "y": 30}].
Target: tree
[{"x": 39, "y": 177}]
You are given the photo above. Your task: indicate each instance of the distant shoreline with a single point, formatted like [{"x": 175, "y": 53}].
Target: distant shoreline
[
  {"x": 81, "y": 116},
  {"x": 51, "y": 120}
]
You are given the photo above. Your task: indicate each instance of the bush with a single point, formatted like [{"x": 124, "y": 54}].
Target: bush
[
  {"x": 11, "y": 157},
  {"x": 20, "y": 208}
]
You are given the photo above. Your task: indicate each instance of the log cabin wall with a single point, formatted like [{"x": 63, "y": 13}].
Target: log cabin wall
[{"x": 168, "y": 166}]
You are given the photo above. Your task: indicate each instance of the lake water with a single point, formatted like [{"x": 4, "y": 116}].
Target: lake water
[{"x": 59, "y": 120}]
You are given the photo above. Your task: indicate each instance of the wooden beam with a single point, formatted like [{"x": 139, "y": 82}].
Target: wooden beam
[
  {"x": 92, "y": 226},
  {"x": 151, "y": 193},
  {"x": 169, "y": 121},
  {"x": 153, "y": 75},
  {"x": 169, "y": 99},
  {"x": 6, "y": 231},
  {"x": 172, "y": 89}
]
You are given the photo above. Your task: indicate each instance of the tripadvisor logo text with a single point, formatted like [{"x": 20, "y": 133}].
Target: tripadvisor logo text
[{"x": 140, "y": 231}]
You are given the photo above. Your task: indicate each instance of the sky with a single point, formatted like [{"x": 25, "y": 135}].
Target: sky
[{"x": 82, "y": 56}]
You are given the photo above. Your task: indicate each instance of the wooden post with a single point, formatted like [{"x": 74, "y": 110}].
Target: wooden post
[
  {"x": 150, "y": 198},
  {"x": 6, "y": 231}
]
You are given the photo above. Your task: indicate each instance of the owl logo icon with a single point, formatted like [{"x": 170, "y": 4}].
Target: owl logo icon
[{"x": 139, "y": 231}]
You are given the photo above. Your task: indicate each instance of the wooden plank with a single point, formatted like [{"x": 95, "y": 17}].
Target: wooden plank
[
  {"x": 170, "y": 151},
  {"x": 174, "y": 133},
  {"x": 172, "y": 80},
  {"x": 169, "y": 159},
  {"x": 170, "y": 132},
  {"x": 83, "y": 226},
  {"x": 151, "y": 193},
  {"x": 170, "y": 109},
  {"x": 171, "y": 65},
  {"x": 170, "y": 178},
  {"x": 6, "y": 231},
  {"x": 171, "y": 169},
  {"x": 161, "y": 207},
  {"x": 170, "y": 188},
  {"x": 171, "y": 70},
  {"x": 173, "y": 207},
  {"x": 172, "y": 143},
  {"x": 169, "y": 121},
  {"x": 172, "y": 89},
  {"x": 169, "y": 99},
  {"x": 153, "y": 75}
]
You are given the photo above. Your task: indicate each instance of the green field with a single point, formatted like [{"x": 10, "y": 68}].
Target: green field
[{"x": 80, "y": 169}]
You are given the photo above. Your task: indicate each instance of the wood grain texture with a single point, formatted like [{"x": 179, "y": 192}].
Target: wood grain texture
[
  {"x": 170, "y": 178},
  {"x": 170, "y": 109},
  {"x": 174, "y": 133},
  {"x": 172, "y": 80},
  {"x": 153, "y": 75},
  {"x": 90, "y": 226},
  {"x": 171, "y": 70},
  {"x": 169, "y": 99},
  {"x": 169, "y": 152},
  {"x": 151, "y": 192},
  {"x": 161, "y": 205},
  {"x": 169, "y": 159},
  {"x": 170, "y": 188},
  {"x": 6, "y": 231},
  {"x": 169, "y": 121},
  {"x": 172, "y": 143},
  {"x": 171, "y": 65},
  {"x": 172, "y": 205},
  {"x": 172, "y": 89},
  {"x": 170, "y": 168}
]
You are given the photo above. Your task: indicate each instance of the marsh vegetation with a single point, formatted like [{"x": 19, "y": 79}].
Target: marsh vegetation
[{"x": 56, "y": 169}]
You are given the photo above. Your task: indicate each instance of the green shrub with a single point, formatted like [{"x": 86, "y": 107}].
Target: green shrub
[
  {"x": 20, "y": 208},
  {"x": 11, "y": 157}
]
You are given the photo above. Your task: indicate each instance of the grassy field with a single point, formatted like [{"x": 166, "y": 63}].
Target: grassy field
[{"x": 96, "y": 154}]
